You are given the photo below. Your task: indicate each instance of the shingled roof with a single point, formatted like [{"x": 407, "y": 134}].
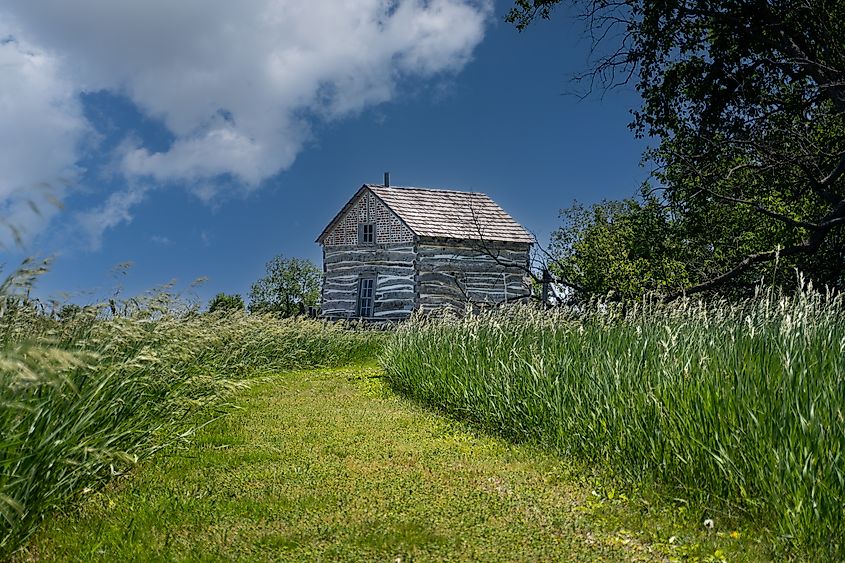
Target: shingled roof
[{"x": 445, "y": 214}]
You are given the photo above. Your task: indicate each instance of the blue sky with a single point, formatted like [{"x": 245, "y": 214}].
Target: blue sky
[{"x": 134, "y": 149}]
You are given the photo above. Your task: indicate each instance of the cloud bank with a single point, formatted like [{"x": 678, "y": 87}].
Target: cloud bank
[
  {"x": 238, "y": 84},
  {"x": 41, "y": 132}
]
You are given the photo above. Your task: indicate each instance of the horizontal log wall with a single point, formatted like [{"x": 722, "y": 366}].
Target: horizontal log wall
[
  {"x": 455, "y": 274},
  {"x": 391, "y": 265}
]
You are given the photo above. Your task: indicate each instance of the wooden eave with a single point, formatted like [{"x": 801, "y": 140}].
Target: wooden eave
[{"x": 493, "y": 242}]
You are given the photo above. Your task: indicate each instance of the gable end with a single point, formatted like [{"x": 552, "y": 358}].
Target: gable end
[{"x": 365, "y": 207}]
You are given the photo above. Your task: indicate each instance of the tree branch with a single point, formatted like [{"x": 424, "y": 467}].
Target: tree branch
[
  {"x": 761, "y": 209},
  {"x": 745, "y": 264}
]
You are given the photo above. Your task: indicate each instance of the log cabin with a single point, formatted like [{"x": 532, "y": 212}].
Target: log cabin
[{"x": 392, "y": 250}]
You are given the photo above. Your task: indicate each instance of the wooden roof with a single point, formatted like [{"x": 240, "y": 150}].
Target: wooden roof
[{"x": 445, "y": 214}]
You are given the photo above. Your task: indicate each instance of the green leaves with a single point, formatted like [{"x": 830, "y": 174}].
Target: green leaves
[
  {"x": 747, "y": 106},
  {"x": 226, "y": 303},
  {"x": 289, "y": 288},
  {"x": 628, "y": 248}
]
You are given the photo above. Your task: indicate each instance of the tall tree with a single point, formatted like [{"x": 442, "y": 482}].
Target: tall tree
[
  {"x": 290, "y": 286},
  {"x": 747, "y": 99},
  {"x": 626, "y": 248}
]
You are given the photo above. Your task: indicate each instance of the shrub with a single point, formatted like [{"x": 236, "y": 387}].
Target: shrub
[{"x": 223, "y": 302}]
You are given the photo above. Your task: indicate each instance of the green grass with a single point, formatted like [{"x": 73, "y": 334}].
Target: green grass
[
  {"x": 735, "y": 409},
  {"x": 331, "y": 466},
  {"x": 86, "y": 398}
]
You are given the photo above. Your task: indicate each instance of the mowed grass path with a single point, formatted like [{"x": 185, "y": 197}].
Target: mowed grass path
[{"x": 330, "y": 466}]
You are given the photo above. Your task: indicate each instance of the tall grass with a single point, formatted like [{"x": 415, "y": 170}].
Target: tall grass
[
  {"x": 86, "y": 397},
  {"x": 737, "y": 408}
]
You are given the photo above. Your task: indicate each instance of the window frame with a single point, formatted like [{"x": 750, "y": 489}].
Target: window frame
[
  {"x": 362, "y": 234},
  {"x": 366, "y": 296}
]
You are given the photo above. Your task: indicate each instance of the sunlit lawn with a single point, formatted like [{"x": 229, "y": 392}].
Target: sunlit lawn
[{"x": 329, "y": 465}]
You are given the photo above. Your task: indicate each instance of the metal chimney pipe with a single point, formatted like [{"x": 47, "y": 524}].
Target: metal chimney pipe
[{"x": 387, "y": 179}]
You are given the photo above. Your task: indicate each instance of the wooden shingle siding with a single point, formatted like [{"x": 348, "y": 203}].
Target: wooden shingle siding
[
  {"x": 452, "y": 214},
  {"x": 392, "y": 265}
]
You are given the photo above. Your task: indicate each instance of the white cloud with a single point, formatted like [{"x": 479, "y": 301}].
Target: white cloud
[
  {"x": 114, "y": 211},
  {"x": 41, "y": 130},
  {"x": 237, "y": 83}
]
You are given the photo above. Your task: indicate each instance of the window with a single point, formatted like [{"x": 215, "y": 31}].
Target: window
[
  {"x": 367, "y": 233},
  {"x": 366, "y": 293}
]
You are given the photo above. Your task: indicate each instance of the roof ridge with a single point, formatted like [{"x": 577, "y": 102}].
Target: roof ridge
[{"x": 447, "y": 190}]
